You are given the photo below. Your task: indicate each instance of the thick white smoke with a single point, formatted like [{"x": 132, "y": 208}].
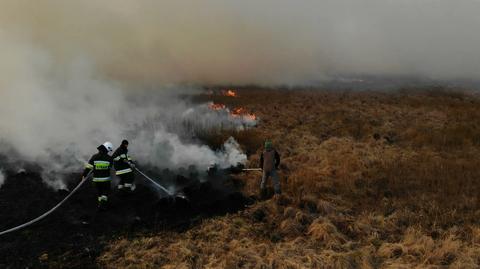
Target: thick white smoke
[
  {"x": 56, "y": 117},
  {"x": 2, "y": 178},
  {"x": 76, "y": 73}
]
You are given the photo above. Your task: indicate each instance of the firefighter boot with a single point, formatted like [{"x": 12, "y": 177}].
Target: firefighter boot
[{"x": 102, "y": 202}]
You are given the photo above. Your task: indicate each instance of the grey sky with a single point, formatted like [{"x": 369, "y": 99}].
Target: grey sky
[{"x": 263, "y": 42}]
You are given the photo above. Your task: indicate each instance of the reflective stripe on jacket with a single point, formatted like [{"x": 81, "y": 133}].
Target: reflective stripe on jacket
[
  {"x": 121, "y": 161},
  {"x": 101, "y": 163},
  {"x": 124, "y": 171}
]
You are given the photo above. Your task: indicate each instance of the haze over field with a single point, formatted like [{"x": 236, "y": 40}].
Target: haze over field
[
  {"x": 250, "y": 42},
  {"x": 71, "y": 70}
]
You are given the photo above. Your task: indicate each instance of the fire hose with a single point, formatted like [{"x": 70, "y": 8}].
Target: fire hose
[
  {"x": 44, "y": 215},
  {"x": 154, "y": 182},
  {"x": 49, "y": 211}
]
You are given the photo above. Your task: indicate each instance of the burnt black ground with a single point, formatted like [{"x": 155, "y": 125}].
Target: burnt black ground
[{"x": 75, "y": 234}]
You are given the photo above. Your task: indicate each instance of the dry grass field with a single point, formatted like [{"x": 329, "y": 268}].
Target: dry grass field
[{"x": 370, "y": 180}]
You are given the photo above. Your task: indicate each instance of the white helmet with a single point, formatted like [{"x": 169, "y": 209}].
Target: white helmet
[{"x": 108, "y": 145}]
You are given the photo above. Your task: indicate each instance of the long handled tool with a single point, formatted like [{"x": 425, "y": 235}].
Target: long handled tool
[{"x": 252, "y": 169}]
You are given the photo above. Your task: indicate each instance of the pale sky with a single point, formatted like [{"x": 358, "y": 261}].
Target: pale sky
[{"x": 250, "y": 42}]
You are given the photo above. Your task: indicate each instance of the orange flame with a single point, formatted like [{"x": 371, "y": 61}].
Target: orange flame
[
  {"x": 230, "y": 93},
  {"x": 216, "y": 107},
  {"x": 241, "y": 112},
  {"x": 238, "y": 112},
  {"x": 249, "y": 117}
]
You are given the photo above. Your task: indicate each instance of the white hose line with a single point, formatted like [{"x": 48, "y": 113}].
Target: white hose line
[
  {"x": 48, "y": 212},
  {"x": 252, "y": 169},
  {"x": 66, "y": 198},
  {"x": 153, "y": 181}
]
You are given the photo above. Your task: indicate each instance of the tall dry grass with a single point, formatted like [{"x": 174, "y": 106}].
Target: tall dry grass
[{"x": 370, "y": 180}]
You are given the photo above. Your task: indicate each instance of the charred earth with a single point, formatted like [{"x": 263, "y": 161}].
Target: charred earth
[{"x": 74, "y": 235}]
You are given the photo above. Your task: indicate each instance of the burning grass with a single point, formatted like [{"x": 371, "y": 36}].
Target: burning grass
[
  {"x": 240, "y": 113},
  {"x": 370, "y": 180}
]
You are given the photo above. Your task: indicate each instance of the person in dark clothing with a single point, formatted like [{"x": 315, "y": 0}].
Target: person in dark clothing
[
  {"x": 101, "y": 163},
  {"x": 123, "y": 166},
  {"x": 269, "y": 162}
]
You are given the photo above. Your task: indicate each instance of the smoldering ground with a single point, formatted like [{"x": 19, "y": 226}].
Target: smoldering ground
[{"x": 75, "y": 234}]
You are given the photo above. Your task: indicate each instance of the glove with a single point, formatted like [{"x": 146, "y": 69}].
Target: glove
[{"x": 132, "y": 165}]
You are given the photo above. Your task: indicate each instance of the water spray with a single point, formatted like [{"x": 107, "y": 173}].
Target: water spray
[{"x": 169, "y": 193}]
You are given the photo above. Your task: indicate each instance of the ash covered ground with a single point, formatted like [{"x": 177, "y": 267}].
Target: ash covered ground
[{"x": 75, "y": 234}]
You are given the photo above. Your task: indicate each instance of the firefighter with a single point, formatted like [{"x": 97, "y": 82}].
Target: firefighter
[
  {"x": 269, "y": 162},
  {"x": 123, "y": 166},
  {"x": 101, "y": 163}
]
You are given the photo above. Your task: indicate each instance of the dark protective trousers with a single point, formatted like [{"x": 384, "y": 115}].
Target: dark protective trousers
[
  {"x": 103, "y": 189},
  {"x": 276, "y": 181},
  {"x": 126, "y": 178}
]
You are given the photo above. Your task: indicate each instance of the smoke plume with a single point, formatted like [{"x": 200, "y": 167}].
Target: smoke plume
[
  {"x": 57, "y": 117},
  {"x": 76, "y": 73},
  {"x": 2, "y": 178}
]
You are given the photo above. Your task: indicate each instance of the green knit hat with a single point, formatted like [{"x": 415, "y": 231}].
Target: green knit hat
[{"x": 268, "y": 144}]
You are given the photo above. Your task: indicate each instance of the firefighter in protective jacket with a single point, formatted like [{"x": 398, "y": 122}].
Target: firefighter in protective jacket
[
  {"x": 101, "y": 163},
  {"x": 123, "y": 166}
]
